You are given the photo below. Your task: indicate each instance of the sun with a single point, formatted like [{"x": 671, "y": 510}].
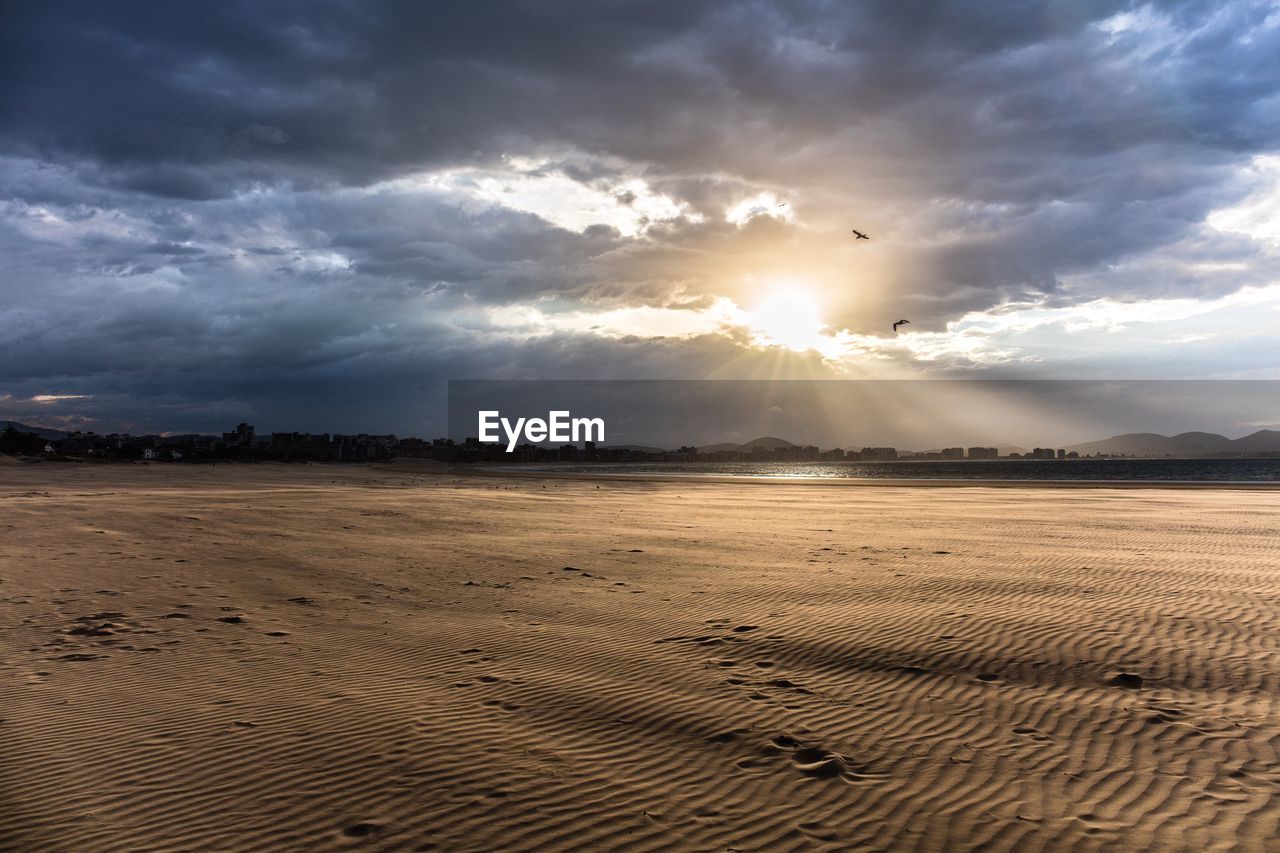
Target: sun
[{"x": 789, "y": 318}]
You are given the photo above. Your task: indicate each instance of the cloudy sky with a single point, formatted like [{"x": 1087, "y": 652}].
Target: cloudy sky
[{"x": 311, "y": 215}]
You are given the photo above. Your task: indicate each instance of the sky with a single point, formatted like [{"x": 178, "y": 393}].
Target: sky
[{"x": 311, "y": 216}]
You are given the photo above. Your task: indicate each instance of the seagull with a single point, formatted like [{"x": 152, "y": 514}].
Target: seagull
[
  {"x": 860, "y": 236},
  {"x": 900, "y": 323}
]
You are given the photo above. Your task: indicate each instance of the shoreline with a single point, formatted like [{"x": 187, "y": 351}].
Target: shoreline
[
  {"x": 440, "y": 469},
  {"x": 918, "y": 482}
]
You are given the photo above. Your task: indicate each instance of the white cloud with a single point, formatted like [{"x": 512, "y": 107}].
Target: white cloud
[
  {"x": 760, "y": 204},
  {"x": 1258, "y": 215},
  {"x": 641, "y": 321},
  {"x": 628, "y": 204},
  {"x": 1110, "y": 336}
]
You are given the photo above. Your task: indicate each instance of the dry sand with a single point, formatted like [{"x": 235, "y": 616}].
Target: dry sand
[{"x": 259, "y": 657}]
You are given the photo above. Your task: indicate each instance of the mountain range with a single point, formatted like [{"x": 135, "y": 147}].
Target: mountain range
[
  {"x": 1182, "y": 444},
  {"x": 1129, "y": 444},
  {"x": 768, "y": 442},
  {"x": 40, "y": 431}
]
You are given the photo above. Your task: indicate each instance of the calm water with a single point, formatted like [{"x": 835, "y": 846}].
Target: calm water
[{"x": 1197, "y": 470}]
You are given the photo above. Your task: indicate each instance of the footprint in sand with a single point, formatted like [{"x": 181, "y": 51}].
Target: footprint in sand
[
  {"x": 498, "y": 703},
  {"x": 101, "y": 629},
  {"x": 1033, "y": 733},
  {"x": 818, "y": 762},
  {"x": 363, "y": 829},
  {"x": 1127, "y": 680},
  {"x": 813, "y": 761},
  {"x": 818, "y": 831},
  {"x": 788, "y": 684}
]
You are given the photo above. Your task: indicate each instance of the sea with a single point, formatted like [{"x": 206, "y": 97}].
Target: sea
[{"x": 1067, "y": 470}]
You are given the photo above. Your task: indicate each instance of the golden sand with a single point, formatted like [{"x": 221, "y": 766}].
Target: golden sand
[{"x": 272, "y": 657}]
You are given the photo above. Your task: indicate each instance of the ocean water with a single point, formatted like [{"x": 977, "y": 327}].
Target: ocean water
[{"x": 1121, "y": 470}]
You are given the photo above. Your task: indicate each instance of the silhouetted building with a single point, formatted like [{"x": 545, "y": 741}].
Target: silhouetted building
[
  {"x": 984, "y": 453},
  {"x": 364, "y": 448},
  {"x": 243, "y": 436},
  {"x": 302, "y": 445}
]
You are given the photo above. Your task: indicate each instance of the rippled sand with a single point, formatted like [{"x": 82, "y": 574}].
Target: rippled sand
[{"x": 270, "y": 657}]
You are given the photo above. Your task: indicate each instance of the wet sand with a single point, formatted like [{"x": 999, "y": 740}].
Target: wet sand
[{"x": 303, "y": 657}]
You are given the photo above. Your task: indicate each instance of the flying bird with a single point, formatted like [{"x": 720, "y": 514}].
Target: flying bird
[
  {"x": 900, "y": 323},
  {"x": 860, "y": 236}
]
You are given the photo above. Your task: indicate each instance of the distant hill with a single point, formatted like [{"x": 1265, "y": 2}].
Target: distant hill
[
  {"x": 1262, "y": 440},
  {"x": 634, "y": 448},
  {"x": 768, "y": 442},
  {"x": 1183, "y": 444},
  {"x": 43, "y": 432},
  {"x": 718, "y": 448}
]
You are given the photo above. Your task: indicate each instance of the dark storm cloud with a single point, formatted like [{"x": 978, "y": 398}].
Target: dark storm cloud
[
  {"x": 196, "y": 197},
  {"x": 351, "y": 92}
]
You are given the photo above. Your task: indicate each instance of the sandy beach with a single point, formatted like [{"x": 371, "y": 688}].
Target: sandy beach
[{"x": 314, "y": 657}]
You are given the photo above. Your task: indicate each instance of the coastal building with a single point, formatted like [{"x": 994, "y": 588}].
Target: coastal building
[
  {"x": 302, "y": 445},
  {"x": 242, "y": 436},
  {"x": 364, "y": 448}
]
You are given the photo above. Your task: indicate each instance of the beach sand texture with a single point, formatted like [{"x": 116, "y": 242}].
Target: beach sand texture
[{"x": 313, "y": 657}]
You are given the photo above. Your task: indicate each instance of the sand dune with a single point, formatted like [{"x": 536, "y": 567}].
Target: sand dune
[{"x": 300, "y": 658}]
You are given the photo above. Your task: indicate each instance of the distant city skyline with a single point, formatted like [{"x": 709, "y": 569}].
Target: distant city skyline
[{"x": 375, "y": 446}]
